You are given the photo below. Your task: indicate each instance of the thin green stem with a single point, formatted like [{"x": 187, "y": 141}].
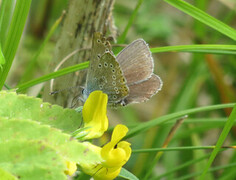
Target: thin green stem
[
  {"x": 149, "y": 124},
  {"x": 198, "y": 48},
  {"x": 52, "y": 75}
]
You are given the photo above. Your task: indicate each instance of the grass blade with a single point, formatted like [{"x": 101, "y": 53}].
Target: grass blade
[
  {"x": 145, "y": 126},
  {"x": 5, "y": 17},
  {"x": 198, "y": 48},
  {"x": 130, "y": 22},
  {"x": 220, "y": 141},
  {"x": 2, "y": 59},
  {"x": 203, "y": 17},
  {"x": 14, "y": 35},
  {"x": 52, "y": 75},
  {"x": 34, "y": 59}
]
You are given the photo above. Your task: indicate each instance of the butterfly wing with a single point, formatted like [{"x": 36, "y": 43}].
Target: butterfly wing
[
  {"x": 144, "y": 90},
  {"x": 136, "y": 62},
  {"x": 100, "y": 45},
  {"x": 109, "y": 79},
  {"x": 127, "y": 79}
]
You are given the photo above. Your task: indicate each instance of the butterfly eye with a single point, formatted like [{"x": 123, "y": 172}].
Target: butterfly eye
[{"x": 82, "y": 91}]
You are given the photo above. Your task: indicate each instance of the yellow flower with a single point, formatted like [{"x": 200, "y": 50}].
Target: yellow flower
[
  {"x": 115, "y": 154},
  {"x": 71, "y": 168},
  {"x": 95, "y": 114}
]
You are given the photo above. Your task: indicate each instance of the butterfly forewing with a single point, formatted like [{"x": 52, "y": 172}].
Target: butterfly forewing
[{"x": 136, "y": 62}]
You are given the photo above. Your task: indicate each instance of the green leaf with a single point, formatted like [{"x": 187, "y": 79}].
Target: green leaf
[
  {"x": 27, "y": 130},
  {"x": 127, "y": 175},
  {"x": 203, "y": 17},
  {"x": 6, "y": 175},
  {"x": 25, "y": 107},
  {"x": 30, "y": 145},
  {"x": 31, "y": 160}
]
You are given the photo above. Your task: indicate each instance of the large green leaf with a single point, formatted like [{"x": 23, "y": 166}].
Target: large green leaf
[
  {"x": 28, "y": 130},
  {"x": 34, "y": 143},
  {"x": 25, "y": 107},
  {"x": 6, "y": 175},
  {"x": 31, "y": 160}
]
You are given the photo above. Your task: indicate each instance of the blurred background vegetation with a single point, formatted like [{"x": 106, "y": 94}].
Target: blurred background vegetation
[{"x": 190, "y": 80}]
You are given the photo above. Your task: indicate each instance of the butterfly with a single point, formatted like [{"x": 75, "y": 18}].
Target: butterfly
[{"x": 127, "y": 78}]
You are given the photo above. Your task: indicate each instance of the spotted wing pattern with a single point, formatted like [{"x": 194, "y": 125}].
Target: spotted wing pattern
[{"x": 105, "y": 73}]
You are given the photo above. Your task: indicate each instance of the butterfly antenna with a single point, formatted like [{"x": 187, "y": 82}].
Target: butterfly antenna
[{"x": 63, "y": 61}]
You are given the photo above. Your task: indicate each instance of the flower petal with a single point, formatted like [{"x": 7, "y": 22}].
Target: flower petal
[
  {"x": 95, "y": 114},
  {"x": 71, "y": 168},
  {"x": 114, "y": 153}
]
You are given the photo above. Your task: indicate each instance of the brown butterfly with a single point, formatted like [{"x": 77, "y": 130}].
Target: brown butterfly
[{"x": 127, "y": 78}]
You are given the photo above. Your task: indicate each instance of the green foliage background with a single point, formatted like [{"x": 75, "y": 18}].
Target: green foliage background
[{"x": 193, "y": 45}]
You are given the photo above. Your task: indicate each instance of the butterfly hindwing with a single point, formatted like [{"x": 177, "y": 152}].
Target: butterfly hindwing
[
  {"x": 100, "y": 45},
  {"x": 144, "y": 90}
]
